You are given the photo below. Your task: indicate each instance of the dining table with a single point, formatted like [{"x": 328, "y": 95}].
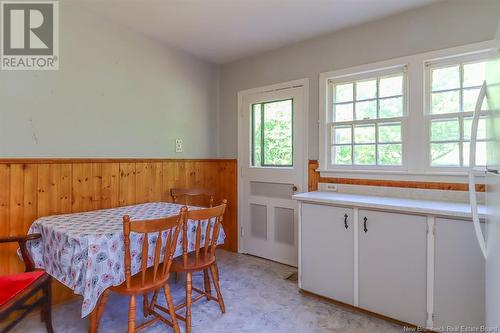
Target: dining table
[{"x": 85, "y": 251}]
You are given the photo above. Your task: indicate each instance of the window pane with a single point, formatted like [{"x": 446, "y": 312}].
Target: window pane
[
  {"x": 364, "y": 134},
  {"x": 391, "y": 86},
  {"x": 480, "y": 153},
  {"x": 445, "y": 102},
  {"x": 342, "y": 135},
  {"x": 445, "y": 129},
  {"x": 364, "y": 154},
  {"x": 474, "y": 74},
  {"x": 366, "y": 89},
  {"x": 342, "y": 155},
  {"x": 278, "y": 135},
  {"x": 343, "y": 112},
  {"x": 481, "y": 128},
  {"x": 256, "y": 130},
  {"x": 366, "y": 110},
  {"x": 445, "y": 154},
  {"x": 391, "y": 107},
  {"x": 470, "y": 98},
  {"x": 343, "y": 93},
  {"x": 389, "y": 132},
  {"x": 390, "y": 154},
  {"x": 446, "y": 78}
]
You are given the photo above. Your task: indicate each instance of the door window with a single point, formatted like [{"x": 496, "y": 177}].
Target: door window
[{"x": 272, "y": 134}]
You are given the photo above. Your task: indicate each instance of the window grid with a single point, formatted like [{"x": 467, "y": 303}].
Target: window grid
[
  {"x": 461, "y": 115},
  {"x": 375, "y": 122},
  {"x": 461, "y": 141},
  {"x": 376, "y": 142}
]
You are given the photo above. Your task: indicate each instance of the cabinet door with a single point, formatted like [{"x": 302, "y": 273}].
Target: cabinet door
[
  {"x": 459, "y": 275},
  {"x": 327, "y": 249},
  {"x": 392, "y": 265}
]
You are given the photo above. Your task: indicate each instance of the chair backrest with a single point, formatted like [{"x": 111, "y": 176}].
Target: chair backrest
[
  {"x": 168, "y": 228},
  {"x": 213, "y": 218},
  {"x": 188, "y": 194}
]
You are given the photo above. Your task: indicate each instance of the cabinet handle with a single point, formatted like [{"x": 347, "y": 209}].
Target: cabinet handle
[
  {"x": 345, "y": 221},
  {"x": 364, "y": 224}
]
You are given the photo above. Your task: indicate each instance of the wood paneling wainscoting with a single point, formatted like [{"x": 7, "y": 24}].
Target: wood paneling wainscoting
[
  {"x": 31, "y": 188},
  {"x": 315, "y": 178}
]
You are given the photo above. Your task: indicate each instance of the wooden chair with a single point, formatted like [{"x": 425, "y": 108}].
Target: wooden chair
[
  {"x": 201, "y": 259},
  {"x": 149, "y": 279},
  {"x": 16, "y": 290},
  {"x": 192, "y": 194}
]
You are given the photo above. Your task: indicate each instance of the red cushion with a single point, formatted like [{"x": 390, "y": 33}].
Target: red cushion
[{"x": 11, "y": 285}]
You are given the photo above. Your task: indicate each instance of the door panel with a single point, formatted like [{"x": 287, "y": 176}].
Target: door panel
[
  {"x": 392, "y": 265},
  {"x": 284, "y": 221},
  {"x": 258, "y": 218},
  {"x": 272, "y": 168},
  {"x": 276, "y": 190},
  {"x": 328, "y": 252}
]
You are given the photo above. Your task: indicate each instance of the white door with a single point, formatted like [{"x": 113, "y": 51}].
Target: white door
[
  {"x": 393, "y": 265},
  {"x": 272, "y": 162},
  {"x": 327, "y": 265}
]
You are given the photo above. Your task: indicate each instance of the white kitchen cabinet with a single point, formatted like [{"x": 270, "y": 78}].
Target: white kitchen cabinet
[
  {"x": 459, "y": 275},
  {"x": 418, "y": 261},
  {"x": 393, "y": 265},
  {"x": 328, "y": 251}
]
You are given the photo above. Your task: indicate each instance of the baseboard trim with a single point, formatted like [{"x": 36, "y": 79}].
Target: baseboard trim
[{"x": 367, "y": 312}]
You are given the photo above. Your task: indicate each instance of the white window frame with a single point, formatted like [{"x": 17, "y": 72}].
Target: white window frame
[
  {"x": 415, "y": 133},
  {"x": 403, "y": 119},
  {"x": 461, "y": 115}
]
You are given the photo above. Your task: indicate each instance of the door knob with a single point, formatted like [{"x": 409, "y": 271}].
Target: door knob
[{"x": 295, "y": 188}]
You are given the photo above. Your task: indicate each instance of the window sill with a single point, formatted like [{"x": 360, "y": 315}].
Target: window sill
[{"x": 431, "y": 176}]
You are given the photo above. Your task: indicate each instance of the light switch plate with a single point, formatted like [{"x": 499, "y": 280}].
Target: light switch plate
[{"x": 178, "y": 145}]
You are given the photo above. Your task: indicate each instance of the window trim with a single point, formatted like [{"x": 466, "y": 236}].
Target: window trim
[{"x": 415, "y": 156}]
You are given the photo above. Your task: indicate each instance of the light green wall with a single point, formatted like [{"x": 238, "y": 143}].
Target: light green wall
[{"x": 116, "y": 94}]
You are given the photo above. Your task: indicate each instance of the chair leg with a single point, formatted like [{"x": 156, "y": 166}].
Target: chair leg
[
  {"x": 153, "y": 301},
  {"x": 189, "y": 285},
  {"x": 206, "y": 282},
  {"x": 215, "y": 277},
  {"x": 47, "y": 307},
  {"x": 145, "y": 305},
  {"x": 131, "y": 315},
  {"x": 171, "y": 308}
]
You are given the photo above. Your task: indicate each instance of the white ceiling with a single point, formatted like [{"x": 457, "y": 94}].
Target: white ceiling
[{"x": 221, "y": 31}]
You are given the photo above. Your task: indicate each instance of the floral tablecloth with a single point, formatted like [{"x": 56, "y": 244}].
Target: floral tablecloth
[{"x": 85, "y": 251}]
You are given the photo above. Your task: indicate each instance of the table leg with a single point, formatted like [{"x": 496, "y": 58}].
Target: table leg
[
  {"x": 95, "y": 315},
  {"x": 93, "y": 322}
]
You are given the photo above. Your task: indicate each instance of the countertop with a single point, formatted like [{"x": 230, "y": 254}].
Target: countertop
[{"x": 415, "y": 206}]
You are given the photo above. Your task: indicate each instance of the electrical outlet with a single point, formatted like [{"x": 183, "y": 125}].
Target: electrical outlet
[
  {"x": 178, "y": 145},
  {"x": 328, "y": 187}
]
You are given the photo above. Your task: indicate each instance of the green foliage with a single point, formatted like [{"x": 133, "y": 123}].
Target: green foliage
[{"x": 274, "y": 141}]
